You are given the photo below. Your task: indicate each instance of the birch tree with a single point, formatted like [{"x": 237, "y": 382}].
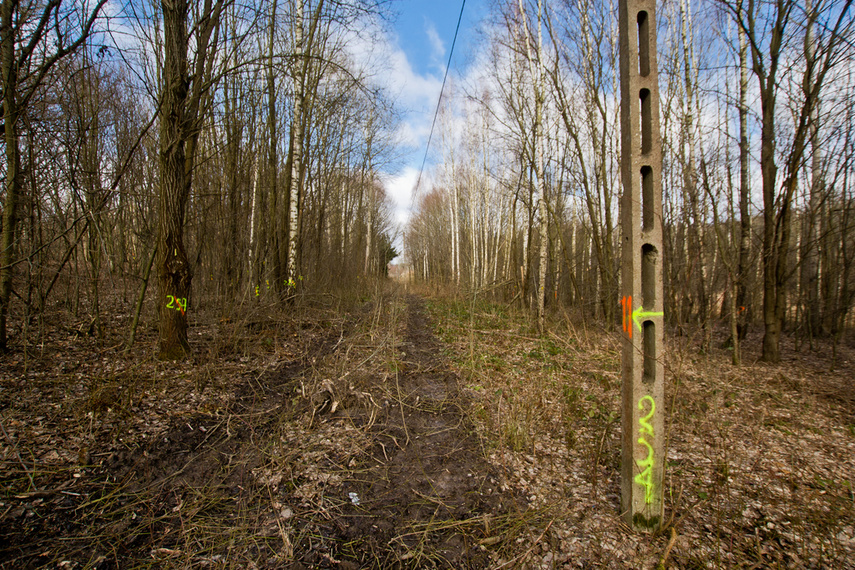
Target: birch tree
[
  {"x": 535, "y": 62},
  {"x": 768, "y": 28}
]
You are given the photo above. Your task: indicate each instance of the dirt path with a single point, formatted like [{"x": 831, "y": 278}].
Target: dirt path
[
  {"x": 426, "y": 478},
  {"x": 308, "y": 438},
  {"x": 357, "y": 452}
]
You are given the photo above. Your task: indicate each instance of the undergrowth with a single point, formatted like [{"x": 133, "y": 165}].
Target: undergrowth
[
  {"x": 760, "y": 461},
  {"x": 303, "y": 435}
]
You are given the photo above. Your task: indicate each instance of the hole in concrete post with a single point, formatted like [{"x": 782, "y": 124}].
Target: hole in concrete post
[
  {"x": 649, "y": 257},
  {"x": 643, "y": 44},
  {"x": 646, "y": 130},
  {"x": 647, "y": 208},
  {"x": 649, "y": 342}
]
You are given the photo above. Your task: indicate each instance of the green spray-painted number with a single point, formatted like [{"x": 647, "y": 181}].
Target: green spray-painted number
[
  {"x": 644, "y": 422},
  {"x": 177, "y": 303},
  {"x": 645, "y": 478}
]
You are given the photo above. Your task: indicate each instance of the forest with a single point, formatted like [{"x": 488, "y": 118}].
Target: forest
[
  {"x": 756, "y": 149},
  {"x": 220, "y": 346}
]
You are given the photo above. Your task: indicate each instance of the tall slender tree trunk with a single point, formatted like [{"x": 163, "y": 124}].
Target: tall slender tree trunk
[
  {"x": 695, "y": 243},
  {"x": 767, "y": 79},
  {"x": 810, "y": 244},
  {"x": 473, "y": 232},
  {"x": 369, "y": 231},
  {"x": 173, "y": 275},
  {"x": 232, "y": 178},
  {"x": 535, "y": 62},
  {"x": 743, "y": 270},
  {"x": 8, "y": 67},
  {"x": 278, "y": 215},
  {"x": 254, "y": 269},
  {"x": 454, "y": 203},
  {"x": 296, "y": 146},
  {"x": 769, "y": 170}
]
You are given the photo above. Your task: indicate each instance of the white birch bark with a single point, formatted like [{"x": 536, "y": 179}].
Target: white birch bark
[{"x": 297, "y": 152}]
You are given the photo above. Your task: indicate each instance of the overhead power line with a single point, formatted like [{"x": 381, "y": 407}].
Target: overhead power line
[{"x": 439, "y": 101}]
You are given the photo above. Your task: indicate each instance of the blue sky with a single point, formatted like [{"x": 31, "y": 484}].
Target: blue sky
[
  {"x": 423, "y": 33},
  {"x": 422, "y": 25}
]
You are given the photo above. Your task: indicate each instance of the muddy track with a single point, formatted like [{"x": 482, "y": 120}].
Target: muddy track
[
  {"x": 391, "y": 476},
  {"x": 426, "y": 469}
]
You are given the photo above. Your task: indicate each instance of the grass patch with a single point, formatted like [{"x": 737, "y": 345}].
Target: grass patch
[{"x": 757, "y": 465}]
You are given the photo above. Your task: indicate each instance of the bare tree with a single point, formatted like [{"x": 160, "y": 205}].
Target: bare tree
[
  {"x": 585, "y": 69},
  {"x": 34, "y": 37},
  {"x": 536, "y": 66},
  {"x": 183, "y": 105},
  {"x": 768, "y": 27}
]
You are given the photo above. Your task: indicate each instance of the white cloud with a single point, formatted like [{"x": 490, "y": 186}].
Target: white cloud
[
  {"x": 437, "y": 46},
  {"x": 413, "y": 133},
  {"x": 399, "y": 188},
  {"x": 415, "y": 92},
  {"x": 378, "y": 52}
]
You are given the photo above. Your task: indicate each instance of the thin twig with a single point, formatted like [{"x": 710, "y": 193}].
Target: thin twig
[
  {"x": 20, "y": 460},
  {"x": 401, "y": 404},
  {"x": 529, "y": 551}
]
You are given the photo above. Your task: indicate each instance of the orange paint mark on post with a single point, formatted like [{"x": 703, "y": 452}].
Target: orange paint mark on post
[
  {"x": 626, "y": 303},
  {"x": 629, "y": 317}
]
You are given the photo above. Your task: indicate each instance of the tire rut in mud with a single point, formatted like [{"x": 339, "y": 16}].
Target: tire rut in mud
[
  {"x": 394, "y": 477},
  {"x": 426, "y": 494}
]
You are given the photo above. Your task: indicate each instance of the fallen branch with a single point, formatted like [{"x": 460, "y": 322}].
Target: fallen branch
[{"x": 671, "y": 541}]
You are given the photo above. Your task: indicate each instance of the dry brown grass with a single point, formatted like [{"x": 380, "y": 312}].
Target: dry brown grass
[
  {"x": 761, "y": 458},
  {"x": 246, "y": 457}
]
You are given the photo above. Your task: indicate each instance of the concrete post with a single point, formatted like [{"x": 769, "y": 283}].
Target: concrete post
[{"x": 643, "y": 378}]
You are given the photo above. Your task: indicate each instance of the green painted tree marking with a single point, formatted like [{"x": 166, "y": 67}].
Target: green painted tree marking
[{"x": 640, "y": 313}]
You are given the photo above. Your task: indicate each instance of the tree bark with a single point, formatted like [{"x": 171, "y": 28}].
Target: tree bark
[
  {"x": 743, "y": 269},
  {"x": 296, "y": 147},
  {"x": 810, "y": 243},
  {"x": 766, "y": 78},
  {"x": 535, "y": 62},
  {"x": 183, "y": 101},
  {"x": 8, "y": 68},
  {"x": 173, "y": 275}
]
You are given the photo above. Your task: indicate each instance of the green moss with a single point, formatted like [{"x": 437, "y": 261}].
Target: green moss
[{"x": 641, "y": 522}]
